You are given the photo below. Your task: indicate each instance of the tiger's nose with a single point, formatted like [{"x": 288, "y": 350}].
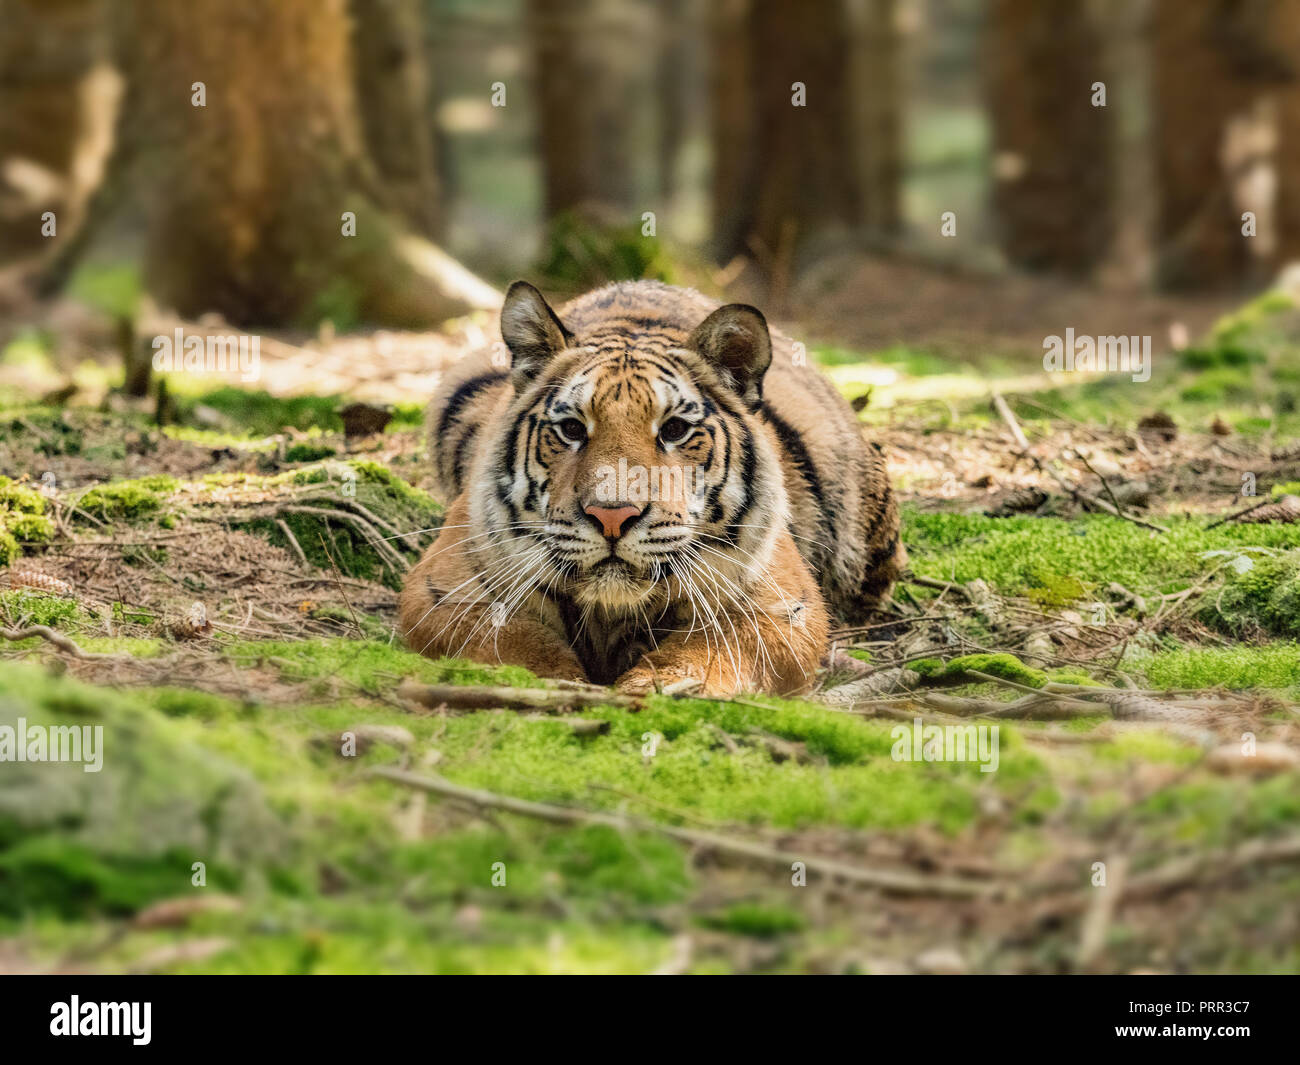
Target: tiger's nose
[{"x": 613, "y": 520}]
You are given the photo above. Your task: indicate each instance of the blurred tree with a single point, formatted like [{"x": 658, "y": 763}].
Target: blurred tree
[
  {"x": 241, "y": 145},
  {"x": 878, "y": 108},
  {"x": 672, "y": 88},
  {"x": 1195, "y": 94},
  {"x": 783, "y": 127},
  {"x": 1052, "y": 149},
  {"x": 393, "y": 91},
  {"x": 57, "y": 100},
  {"x": 585, "y": 101}
]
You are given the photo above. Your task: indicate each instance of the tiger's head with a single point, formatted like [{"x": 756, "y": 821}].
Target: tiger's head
[{"x": 631, "y": 468}]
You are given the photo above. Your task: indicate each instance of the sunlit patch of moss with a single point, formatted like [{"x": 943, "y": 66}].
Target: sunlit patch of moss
[
  {"x": 1010, "y": 554},
  {"x": 261, "y": 414},
  {"x": 1152, "y": 746},
  {"x": 580, "y": 253},
  {"x": 756, "y": 919},
  {"x": 1272, "y": 666},
  {"x": 691, "y": 771},
  {"x": 22, "y": 519},
  {"x": 135, "y": 646},
  {"x": 1216, "y": 811},
  {"x": 371, "y": 665},
  {"x": 1072, "y": 675},
  {"x": 110, "y": 841},
  {"x": 128, "y": 500},
  {"x": 39, "y": 609},
  {"x": 1054, "y": 590},
  {"x": 533, "y": 948},
  {"x": 407, "y": 516},
  {"x": 216, "y": 438},
  {"x": 959, "y": 670},
  {"x": 1261, "y": 598},
  {"x": 308, "y": 452}
]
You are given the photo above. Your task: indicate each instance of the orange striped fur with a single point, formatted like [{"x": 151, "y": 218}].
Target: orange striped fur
[{"x": 729, "y": 584}]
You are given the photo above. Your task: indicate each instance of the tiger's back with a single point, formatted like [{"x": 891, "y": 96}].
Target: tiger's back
[{"x": 843, "y": 512}]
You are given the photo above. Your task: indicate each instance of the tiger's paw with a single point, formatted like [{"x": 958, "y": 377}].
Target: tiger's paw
[{"x": 682, "y": 679}]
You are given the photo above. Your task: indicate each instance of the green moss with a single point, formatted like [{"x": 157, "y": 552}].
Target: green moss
[
  {"x": 39, "y": 609},
  {"x": 22, "y": 519},
  {"x": 110, "y": 841},
  {"x": 371, "y": 665},
  {"x": 1261, "y": 598},
  {"x": 262, "y": 414},
  {"x": 309, "y": 453},
  {"x": 128, "y": 500},
  {"x": 1216, "y": 812},
  {"x": 329, "y": 542},
  {"x": 757, "y": 920},
  {"x": 1055, "y": 590},
  {"x": 1273, "y": 665},
  {"x": 1152, "y": 746},
  {"x": 957, "y": 670},
  {"x": 1013, "y": 554},
  {"x": 19, "y": 498},
  {"x": 579, "y": 254}
]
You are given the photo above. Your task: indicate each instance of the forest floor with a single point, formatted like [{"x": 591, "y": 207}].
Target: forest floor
[{"x": 219, "y": 594}]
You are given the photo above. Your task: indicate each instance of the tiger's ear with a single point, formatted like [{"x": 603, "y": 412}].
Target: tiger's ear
[
  {"x": 735, "y": 339},
  {"x": 531, "y": 331}
]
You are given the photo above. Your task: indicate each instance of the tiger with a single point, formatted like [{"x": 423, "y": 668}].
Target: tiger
[{"x": 652, "y": 491}]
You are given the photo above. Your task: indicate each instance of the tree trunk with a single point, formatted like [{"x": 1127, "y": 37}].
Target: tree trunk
[
  {"x": 1130, "y": 260},
  {"x": 878, "y": 105},
  {"x": 1218, "y": 71},
  {"x": 1052, "y": 148},
  {"x": 245, "y": 195},
  {"x": 584, "y": 103},
  {"x": 57, "y": 102},
  {"x": 393, "y": 91},
  {"x": 731, "y": 116},
  {"x": 785, "y": 170},
  {"x": 672, "y": 85},
  {"x": 1284, "y": 35}
]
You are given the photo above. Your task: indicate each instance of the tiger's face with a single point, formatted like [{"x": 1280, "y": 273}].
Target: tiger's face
[{"x": 630, "y": 470}]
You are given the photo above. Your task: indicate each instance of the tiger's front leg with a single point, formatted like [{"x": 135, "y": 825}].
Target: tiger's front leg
[
  {"x": 445, "y": 612},
  {"x": 773, "y": 641}
]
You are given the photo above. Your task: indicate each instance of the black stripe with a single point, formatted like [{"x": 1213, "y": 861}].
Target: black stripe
[
  {"x": 792, "y": 441},
  {"x": 465, "y": 391}
]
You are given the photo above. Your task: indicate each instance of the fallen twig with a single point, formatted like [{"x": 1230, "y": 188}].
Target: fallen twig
[
  {"x": 1000, "y": 405},
  {"x": 889, "y": 880},
  {"x": 60, "y": 641},
  {"x": 476, "y": 697}
]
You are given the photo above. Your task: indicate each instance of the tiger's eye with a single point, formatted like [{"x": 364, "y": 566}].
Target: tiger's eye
[
  {"x": 571, "y": 431},
  {"x": 675, "y": 430}
]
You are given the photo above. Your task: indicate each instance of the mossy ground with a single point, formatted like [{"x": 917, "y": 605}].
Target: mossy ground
[{"x": 226, "y": 750}]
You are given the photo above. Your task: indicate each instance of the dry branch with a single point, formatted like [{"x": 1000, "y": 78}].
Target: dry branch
[
  {"x": 466, "y": 697},
  {"x": 60, "y": 641},
  {"x": 888, "y": 880}
]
